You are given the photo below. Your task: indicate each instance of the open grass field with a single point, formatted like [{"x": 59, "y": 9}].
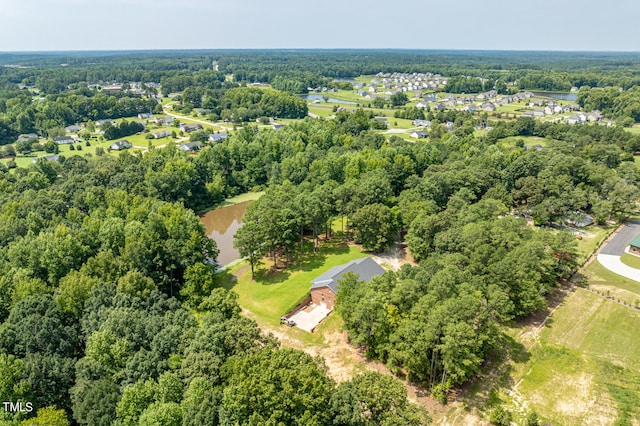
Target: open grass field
[
  {"x": 591, "y": 238},
  {"x": 583, "y": 368},
  {"x": 322, "y": 110},
  {"x": 273, "y": 293},
  {"x": 576, "y": 366},
  {"x": 635, "y": 130},
  {"x": 510, "y": 142},
  {"x": 610, "y": 284}
]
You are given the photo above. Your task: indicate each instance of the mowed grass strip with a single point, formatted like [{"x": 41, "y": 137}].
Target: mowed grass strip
[
  {"x": 584, "y": 369},
  {"x": 598, "y": 275},
  {"x": 273, "y": 292},
  {"x": 566, "y": 388},
  {"x": 593, "y": 236},
  {"x": 594, "y": 325},
  {"x": 630, "y": 260}
]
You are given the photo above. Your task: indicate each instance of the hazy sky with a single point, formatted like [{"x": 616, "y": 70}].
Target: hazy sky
[{"x": 419, "y": 24}]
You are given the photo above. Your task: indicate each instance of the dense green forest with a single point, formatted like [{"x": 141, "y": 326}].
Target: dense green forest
[
  {"x": 111, "y": 311},
  {"x": 103, "y": 276}
]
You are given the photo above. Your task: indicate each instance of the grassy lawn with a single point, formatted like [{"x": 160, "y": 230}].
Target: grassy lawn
[
  {"x": 582, "y": 369},
  {"x": 274, "y": 292},
  {"x": 606, "y": 282},
  {"x": 630, "y": 260},
  {"x": 593, "y": 236},
  {"x": 510, "y": 142},
  {"x": 322, "y": 110},
  {"x": 247, "y": 196},
  {"x": 635, "y": 130}
]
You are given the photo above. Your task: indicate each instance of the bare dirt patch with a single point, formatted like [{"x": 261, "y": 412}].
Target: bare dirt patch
[{"x": 395, "y": 257}]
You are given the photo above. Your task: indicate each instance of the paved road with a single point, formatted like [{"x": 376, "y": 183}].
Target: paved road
[
  {"x": 621, "y": 240},
  {"x": 609, "y": 255}
]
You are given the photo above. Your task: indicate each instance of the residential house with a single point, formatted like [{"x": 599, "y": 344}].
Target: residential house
[
  {"x": 634, "y": 246},
  {"x": 188, "y": 128},
  {"x": 62, "y": 140},
  {"x": 594, "y": 116},
  {"x": 191, "y": 146},
  {"x": 217, "y": 137},
  {"x": 431, "y": 97},
  {"x": 572, "y": 119},
  {"x": 527, "y": 114},
  {"x": 74, "y": 128},
  {"x": 164, "y": 120},
  {"x": 579, "y": 219},
  {"x": 100, "y": 123},
  {"x": 119, "y": 145},
  {"x": 145, "y": 116},
  {"x": 471, "y": 108},
  {"x": 325, "y": 287},
  {"x": 161, "y": 134},
  {"x": 439, "y": 106},
  {"x": 539, "y": 112},
  {"x": 26, "y": 137},
  {"x": 421, "y": 123},
  {"x": 422, "y": 104},
  {"x": 277, "y": 126},
  {"x": 419, "y": 134},
  {"x": 488, "y": 106},
  {"x": 47, "y": 157}
]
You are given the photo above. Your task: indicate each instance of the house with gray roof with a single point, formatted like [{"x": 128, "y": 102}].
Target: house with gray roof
[
  {"x": 217, "y": 137},
  {"x": 325, "y": 287},
  {"x": 47, "y": 157},
  {"x": 191, "y": 146},
  {"x": 61, "y": 140},
  {"x": 123, "y": 144}
]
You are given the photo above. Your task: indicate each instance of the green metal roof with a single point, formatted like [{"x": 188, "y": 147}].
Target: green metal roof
[{"x": 635, "y": 242}]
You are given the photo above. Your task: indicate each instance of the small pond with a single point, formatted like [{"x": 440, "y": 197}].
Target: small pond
[
  {"x": 318, "y": 96},
  {"x": 571, "y": 97},
  {"x": 221, "y": 225}
]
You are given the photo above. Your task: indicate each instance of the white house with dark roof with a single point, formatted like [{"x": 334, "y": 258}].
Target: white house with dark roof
[
  {"x": 191, "y": 146},
  {"x": 62, "y": 140},
  {"x": 46, "y": 157},
  {"x": 123, "y": 144},
  {"x": 217, "y": 137}
]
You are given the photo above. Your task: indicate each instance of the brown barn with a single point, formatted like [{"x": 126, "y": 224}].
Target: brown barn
[{"x": 325, "y": 287}]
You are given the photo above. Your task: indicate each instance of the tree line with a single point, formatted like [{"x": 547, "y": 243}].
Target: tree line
[{"x": 102, "y": 282}]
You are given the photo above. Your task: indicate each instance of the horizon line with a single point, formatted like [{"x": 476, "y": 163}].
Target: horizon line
[{"x": 137, "y": 50}]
